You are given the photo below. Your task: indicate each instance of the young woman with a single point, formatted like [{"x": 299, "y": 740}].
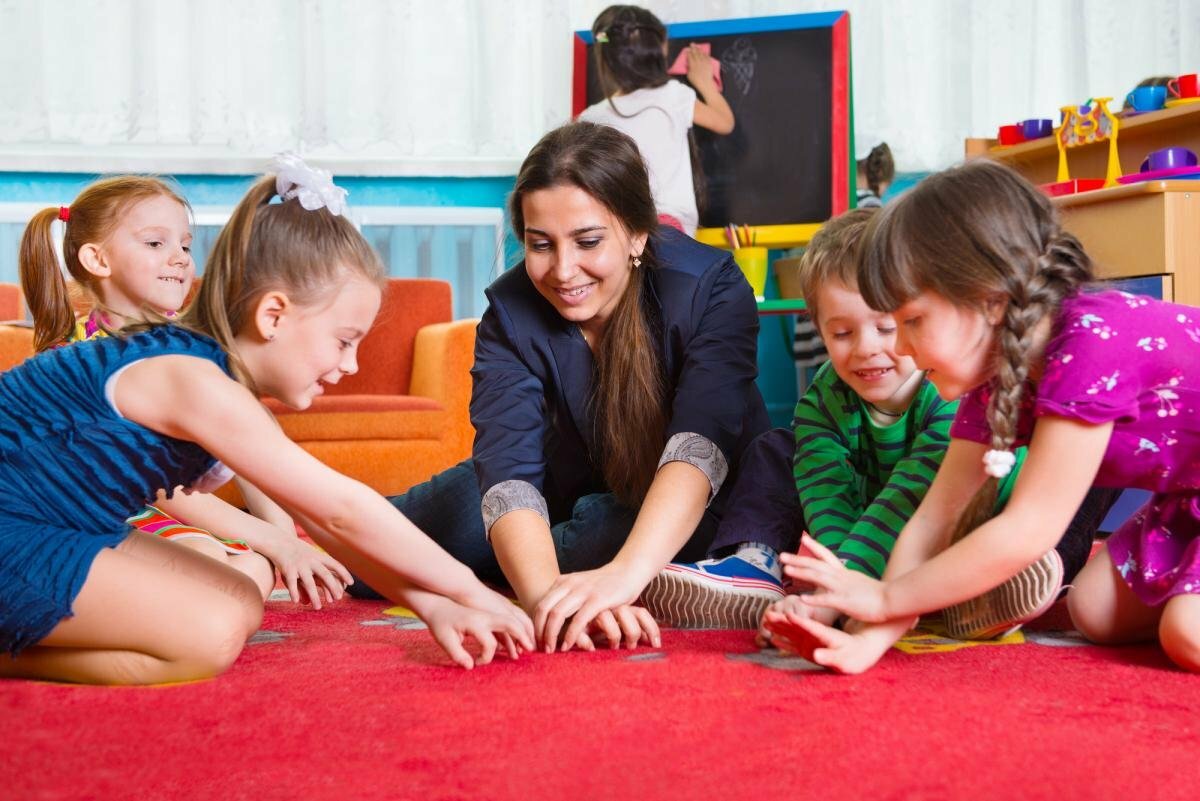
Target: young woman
[{"x": 614, "y": 394}]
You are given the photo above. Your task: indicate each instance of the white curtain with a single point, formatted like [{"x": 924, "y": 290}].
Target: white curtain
[{"x": 464, "y": 87}]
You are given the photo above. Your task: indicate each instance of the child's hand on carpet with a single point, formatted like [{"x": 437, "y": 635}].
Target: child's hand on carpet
[
  {"x": 308, "y": 573},
  {"x": 451, "y": 624},
  {"x": 778, "y": 612},
  {"x": 848, "y": 591},
  {"x": 485, "y": 599},
  {"x": 850, "y": 651}
]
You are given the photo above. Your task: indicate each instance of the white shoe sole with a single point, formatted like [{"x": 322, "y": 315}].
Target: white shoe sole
[
  {"x": 1004, "y": 609},
  {"x": 684, "y": 599}
]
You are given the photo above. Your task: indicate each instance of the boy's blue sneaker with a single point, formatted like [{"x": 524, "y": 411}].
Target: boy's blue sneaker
[{"x": 729, "y": 593}]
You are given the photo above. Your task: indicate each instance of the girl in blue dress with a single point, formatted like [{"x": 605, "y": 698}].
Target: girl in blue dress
[
  {"x": 290, "y": 290},
  {"x": 126, "y": 244}
]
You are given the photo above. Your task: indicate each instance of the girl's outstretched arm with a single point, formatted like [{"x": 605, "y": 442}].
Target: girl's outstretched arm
[
  {"x": 195, "y": 401},
  {"x": 1064, "y": 457},
  {"x": 493, "y": 621},
  {"x": 712, "y": 110},
  {"x": 307, "y": 573},
  {"x": 263, "y": 507}
]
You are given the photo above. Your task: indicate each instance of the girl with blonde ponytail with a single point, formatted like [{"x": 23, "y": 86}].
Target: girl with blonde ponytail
[
  {"x": 992, "y": 299},
  {"x": 292, "y": 290},
  {"x": 127, "y": 247}
]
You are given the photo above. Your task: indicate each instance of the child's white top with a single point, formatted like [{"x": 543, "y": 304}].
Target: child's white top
[{"x": 658, "y": 120}]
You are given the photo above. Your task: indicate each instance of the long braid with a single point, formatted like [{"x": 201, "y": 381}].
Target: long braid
[{"x": 1058, "y": 271}]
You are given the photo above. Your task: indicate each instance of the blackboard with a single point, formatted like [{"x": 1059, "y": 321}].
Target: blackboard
[{"x": 787, "y": 80}]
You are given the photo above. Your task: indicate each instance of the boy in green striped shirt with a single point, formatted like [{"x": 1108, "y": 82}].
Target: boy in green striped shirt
[{"x": 869, "y": 436}]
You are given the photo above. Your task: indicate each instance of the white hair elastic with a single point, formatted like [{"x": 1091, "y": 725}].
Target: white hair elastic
[
  {"x": 999, "y": 464},
  {"x": 312, "y": 186}
]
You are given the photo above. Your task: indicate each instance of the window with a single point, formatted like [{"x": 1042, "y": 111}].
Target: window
[{"x": 462, "y": 245}]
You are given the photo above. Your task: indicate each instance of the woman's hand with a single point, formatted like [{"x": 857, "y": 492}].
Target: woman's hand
[
  {"x": 595, "y": 600},
  {"x": 308, "y": 573},
  {"x": 451, "y": 623},
  {"x": 848, "y": 591}
]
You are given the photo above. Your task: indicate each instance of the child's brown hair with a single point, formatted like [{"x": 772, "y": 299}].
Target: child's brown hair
[
  {"x": 90, "y": 219},
  {"x": 274, "y": 245},
  {"x": 833, "y": 256},
  {"x": 878, "y": 168}
]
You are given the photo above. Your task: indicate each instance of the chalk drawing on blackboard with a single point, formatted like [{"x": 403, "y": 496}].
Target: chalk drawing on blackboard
[{"x": 739, "y": 60}]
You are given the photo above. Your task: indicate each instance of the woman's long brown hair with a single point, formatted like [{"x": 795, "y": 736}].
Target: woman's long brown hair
[{"x": 628, "y": 402}]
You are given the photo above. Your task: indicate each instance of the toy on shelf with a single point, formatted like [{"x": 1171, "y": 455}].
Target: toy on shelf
[
  {"x": 1083, "y": 125},
  {"x": 1168, "y": 163}
]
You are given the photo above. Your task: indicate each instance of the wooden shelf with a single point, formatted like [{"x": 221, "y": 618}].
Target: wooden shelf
[
  {"x": 782, "y": 306},
  {"x": 1151, "y": 228},
  {"x": 1148, "y": 230},
  {"x": 779, "y": 237},
  {"x": 1137, "y": 136}
]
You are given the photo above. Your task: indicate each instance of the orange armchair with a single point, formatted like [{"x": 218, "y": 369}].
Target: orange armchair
[
  {"x": 16, "y": 345},
  {"x": 404, "y": 416},
  {"x": 12, "y": 304}
]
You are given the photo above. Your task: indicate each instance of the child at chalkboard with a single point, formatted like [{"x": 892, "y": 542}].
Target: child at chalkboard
[
  {"x": 656, "y": 112},
  {"x": 876, "y": 169}
]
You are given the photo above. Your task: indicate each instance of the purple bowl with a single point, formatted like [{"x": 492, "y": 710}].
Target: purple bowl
[
  {"x": 1169, "y": 158},
  {"x": 1036, "y": 129}
]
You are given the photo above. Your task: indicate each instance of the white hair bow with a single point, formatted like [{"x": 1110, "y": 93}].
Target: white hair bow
[{"x": 312, "y": 186}]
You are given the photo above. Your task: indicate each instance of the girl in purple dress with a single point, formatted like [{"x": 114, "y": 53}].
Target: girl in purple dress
[{"x": 991, "y": 301}]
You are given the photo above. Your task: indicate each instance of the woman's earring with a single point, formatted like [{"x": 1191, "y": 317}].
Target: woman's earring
[{"x": 637, "y": 262}]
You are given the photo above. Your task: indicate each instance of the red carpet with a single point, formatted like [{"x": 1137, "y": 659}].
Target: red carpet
[{"x": 344, "y": 704}]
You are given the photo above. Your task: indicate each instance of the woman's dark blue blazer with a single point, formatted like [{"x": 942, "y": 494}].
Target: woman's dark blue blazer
[{"x": 533, "y": 374}]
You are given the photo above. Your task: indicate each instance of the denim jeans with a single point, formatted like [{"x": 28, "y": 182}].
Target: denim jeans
[{"x": 447, "y": 508}]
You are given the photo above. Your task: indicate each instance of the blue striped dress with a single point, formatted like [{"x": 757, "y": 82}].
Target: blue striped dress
[{"x": 72, "y": 470}]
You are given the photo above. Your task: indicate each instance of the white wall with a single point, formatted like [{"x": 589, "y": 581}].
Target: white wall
[{"x": 464, "y": 87}]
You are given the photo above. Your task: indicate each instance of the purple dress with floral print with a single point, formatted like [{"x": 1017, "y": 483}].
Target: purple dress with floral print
[{"x": 1133, "y": 361}]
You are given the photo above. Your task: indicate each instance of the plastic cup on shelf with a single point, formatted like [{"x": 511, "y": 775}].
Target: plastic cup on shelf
[
  {"x": 1184, "y": 86},
  {"x": 753, "y": 261},
  {"x": 1147, "y": 98},
  {"x": 1169, "y": 158},
  {"x": 1036, "y": 128},
  {"x": 1010, "y": 135}
]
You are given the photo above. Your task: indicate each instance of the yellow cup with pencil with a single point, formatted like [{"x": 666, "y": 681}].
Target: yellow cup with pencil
[{"x": 750, "y": 257}]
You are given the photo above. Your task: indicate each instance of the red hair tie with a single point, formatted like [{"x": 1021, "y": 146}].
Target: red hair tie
[{"x": 64, "y": 213}]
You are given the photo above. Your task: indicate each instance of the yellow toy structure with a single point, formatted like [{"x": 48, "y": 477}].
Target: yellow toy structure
[{"x": 1083, "y": 125}]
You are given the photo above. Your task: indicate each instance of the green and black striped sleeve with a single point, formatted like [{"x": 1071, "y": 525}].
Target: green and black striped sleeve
[
  {"x": 871, "y": 539},
  {"x": 828, "y": 486}
]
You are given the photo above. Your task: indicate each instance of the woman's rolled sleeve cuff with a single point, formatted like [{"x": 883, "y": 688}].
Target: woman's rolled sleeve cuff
[
  {"x": 508, "y": 496},
  {"x": 701, "y": 453}
]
